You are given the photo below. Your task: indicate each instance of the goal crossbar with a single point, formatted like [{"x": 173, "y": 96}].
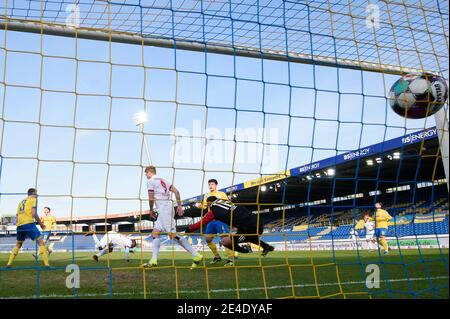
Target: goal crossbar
[{"x": 252, "y": 52}]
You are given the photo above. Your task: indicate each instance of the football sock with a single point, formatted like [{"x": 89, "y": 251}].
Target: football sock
[
  {"x": 97, "y": 242},
  {"x": 213, "y": 248},
  {"x": 155, "y": 248},
  {"x": 44, "y": 252},
  {"x": 230, "y": 253},
  {"x": 103, "y": 252},
  {"x": 13, "y": 255},
  {"x": 383, "y": 242},
  {"x": 188, "y": 247}
]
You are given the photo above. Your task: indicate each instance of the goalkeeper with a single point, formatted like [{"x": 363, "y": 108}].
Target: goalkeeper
[
  {"x": 248, "y": 228},
  {"x": 216, "y": 227}
]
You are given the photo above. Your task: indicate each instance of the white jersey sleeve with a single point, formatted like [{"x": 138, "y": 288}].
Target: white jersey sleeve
[
  {"x": 370, "y": 226},
  {"x": 122, "y": 240},
  {"x": 116, "y": 239},
  {"x": 151, "y": 186}
]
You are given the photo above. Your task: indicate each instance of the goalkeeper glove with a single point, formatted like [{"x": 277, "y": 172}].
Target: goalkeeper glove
[{"x": 153, "y": 216}]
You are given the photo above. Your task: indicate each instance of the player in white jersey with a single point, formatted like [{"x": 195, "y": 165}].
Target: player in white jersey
[
  {"x": 159, "y": 197},
  {"x": 353, "y": 235},
  {"x": 109, "y": 241},
  {"x": 369, "y": 225}
]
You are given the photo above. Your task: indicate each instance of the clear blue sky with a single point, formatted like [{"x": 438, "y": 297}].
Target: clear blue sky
[{"x": 79, "y": 134}]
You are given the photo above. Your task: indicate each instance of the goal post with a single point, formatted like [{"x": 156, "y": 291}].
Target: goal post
[{"x": 441, "y": 119}]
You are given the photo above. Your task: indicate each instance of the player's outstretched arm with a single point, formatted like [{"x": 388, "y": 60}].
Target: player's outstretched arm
[
  {"x": 180, "y": 210},
  {"x": 209, "y": 216},
  {"x": 389, "y": 217}
]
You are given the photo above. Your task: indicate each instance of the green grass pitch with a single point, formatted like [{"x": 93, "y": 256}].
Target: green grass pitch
[{"x": 282, "y": 275}]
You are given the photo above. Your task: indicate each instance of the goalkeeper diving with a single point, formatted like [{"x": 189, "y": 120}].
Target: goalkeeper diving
[{"x": 249, "y": 228}]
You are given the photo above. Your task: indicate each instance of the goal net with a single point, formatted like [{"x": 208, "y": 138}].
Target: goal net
[{"x": 284, "y": 103}]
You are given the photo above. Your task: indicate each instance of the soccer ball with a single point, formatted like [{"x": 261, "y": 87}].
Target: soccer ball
[{"x": 416, "y": 96}]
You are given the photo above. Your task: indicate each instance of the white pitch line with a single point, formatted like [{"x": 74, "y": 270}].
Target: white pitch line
[{"x": 223, "y": 290}]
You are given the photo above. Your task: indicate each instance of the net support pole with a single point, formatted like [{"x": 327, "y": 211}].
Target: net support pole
[
  {"x": 441, "y": 119},
  {"x": 146, "y": 146}
]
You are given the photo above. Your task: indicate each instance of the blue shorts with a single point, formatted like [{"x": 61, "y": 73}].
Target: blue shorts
[
  {"x": 217, "y": 227},
  {"x": 380, "y": 232},
  {"x": 46, "y": 234},
  {"x": 28, "y": 231}
]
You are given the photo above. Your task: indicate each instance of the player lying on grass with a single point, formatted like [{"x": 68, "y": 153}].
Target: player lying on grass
[
  {"x": 109, "y": 241},
  {"x": 164, "y": 222},
  {"x": 26, "y": 227},
  {"x": 216, "y": 227},
  {"x": 249, "y": 229},
  {"x": 369, "y": 225},
  {"x": 382, "y": 218}
]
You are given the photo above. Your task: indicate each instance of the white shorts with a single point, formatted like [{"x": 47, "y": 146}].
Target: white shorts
[
  {"x": 166, "y": 221},
  {"x": 370, "y": 236}
]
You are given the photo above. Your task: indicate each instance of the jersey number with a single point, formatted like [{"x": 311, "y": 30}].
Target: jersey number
[{"x": 22, "y": 206}]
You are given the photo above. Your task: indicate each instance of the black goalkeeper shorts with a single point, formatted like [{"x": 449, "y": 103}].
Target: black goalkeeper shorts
[{"x": 249, "y": 231}]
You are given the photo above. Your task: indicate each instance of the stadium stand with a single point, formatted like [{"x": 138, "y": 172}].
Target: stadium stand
[{"x": 410, "y": 220}]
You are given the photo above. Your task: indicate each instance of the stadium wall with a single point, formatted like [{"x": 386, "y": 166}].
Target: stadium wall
[{"x": 407, "y": 242}]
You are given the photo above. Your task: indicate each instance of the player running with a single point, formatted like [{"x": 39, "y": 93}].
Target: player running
[
  {"x": 26, "y": 227},
  {"x": 369, "y": 225},
  {"x": 109, "y": 241},
  {"x": 248, "y": 228},
  {"x": 159, "y": 194},
  {"x": 382, "y": 218},
  {"x": 216, "y": 227},
  {"x": 49, "y": 224}
]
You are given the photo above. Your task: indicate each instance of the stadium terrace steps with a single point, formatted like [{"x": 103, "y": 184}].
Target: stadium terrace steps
[{"x": 322, "y": 233}]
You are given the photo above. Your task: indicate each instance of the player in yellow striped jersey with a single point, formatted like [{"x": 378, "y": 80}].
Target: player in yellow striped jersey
[
  {"x": 382, "y": 218},
  {"x": 216, "y": 227},
  {"x": 26, "y": 227},
  {"x": 49, "y": 224}
]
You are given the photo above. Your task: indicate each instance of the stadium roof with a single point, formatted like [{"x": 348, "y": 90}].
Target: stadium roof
[{"x": 412, "y": 158}]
